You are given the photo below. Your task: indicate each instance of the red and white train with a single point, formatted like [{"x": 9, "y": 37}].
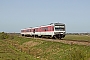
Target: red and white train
[{"x": 53, "y": 30}]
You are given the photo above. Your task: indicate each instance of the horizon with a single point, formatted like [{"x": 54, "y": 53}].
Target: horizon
[{"x": 18, "y": 14}]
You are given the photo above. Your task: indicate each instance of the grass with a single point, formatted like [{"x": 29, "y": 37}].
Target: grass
[
  {"x": 19, "y": 49},
  {"x": 59, "y": 51},
  {"x": 77, "y": 37},
  {"x": 46, "y": 50},
  {"x": 9, "y": 52}
]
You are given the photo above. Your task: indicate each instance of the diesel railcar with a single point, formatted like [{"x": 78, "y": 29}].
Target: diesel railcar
[{"x": 53, "y": 30}]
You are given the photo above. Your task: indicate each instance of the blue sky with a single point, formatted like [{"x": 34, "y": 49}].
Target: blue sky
[{"x": 18, "y": 14}]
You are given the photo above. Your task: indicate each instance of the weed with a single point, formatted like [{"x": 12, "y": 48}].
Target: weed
[{"x": 75, "y": 54}]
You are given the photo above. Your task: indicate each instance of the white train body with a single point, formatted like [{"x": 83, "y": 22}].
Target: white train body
[{"x": 55, "y": 30}]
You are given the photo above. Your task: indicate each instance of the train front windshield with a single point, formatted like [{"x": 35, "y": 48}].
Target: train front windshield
[{"x": 59, "y": 27}]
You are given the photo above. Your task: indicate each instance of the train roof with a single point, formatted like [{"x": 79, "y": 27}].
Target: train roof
[
  {"x": 23, "y": 29},
  {"x": 59, "y": 24},
  {"x": 28, "y": 28},
  {"x": 56, "y": 23},
  {"x": 51, "y": 24}
]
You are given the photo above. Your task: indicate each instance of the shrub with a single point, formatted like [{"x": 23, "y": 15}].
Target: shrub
[{"x": 4, "y": 35}]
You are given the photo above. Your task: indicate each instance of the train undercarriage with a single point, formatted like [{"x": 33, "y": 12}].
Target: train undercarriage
[{"x": 58, "y": 36}]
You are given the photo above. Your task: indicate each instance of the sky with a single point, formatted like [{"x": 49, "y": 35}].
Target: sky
[{"x": 18, "y": 14}]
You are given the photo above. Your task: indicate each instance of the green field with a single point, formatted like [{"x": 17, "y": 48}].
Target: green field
[
  {"x": 20, "y": 48},
  {"x": 9, "y": 52},
  {"x": 78, "y": 37}
]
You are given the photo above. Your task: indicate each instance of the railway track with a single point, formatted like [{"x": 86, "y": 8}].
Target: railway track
[{"x": 65, "y": 41}]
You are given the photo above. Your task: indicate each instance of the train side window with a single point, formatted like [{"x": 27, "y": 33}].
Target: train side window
[
  {"x": 30, "y": 30},
  {"x": 33, "y": 30},
  {"x": 45, "y": 30},
  {"x": 52, "y": 28}
]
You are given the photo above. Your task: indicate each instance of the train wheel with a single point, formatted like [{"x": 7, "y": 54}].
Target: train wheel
[
  {"x": 60, "y": 38},
  {"x": 22, "y": 34},
  {"x": 54, "y": 37}
]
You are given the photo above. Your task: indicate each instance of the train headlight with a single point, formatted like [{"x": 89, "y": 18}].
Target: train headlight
[{"x": 61, "y": 33}]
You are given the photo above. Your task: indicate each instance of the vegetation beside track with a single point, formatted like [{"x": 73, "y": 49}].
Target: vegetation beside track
[
  {"x": 20, "y": 48},
  {"x": 8, "y": 50},
  {"x": 78, "y": 37}
]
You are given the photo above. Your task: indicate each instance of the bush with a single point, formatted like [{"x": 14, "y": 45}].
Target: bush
[{"x": 4, "y": 35}]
